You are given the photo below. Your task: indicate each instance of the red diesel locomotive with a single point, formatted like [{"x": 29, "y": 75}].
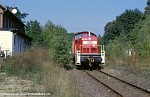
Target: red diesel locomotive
[{"x": 86, "y": 51}]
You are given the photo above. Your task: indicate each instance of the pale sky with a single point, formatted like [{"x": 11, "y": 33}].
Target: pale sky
[{"x": 76, "y": 15}]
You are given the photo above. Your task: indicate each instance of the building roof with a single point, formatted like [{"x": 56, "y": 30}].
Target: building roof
[{"x": 5, "y": 9}]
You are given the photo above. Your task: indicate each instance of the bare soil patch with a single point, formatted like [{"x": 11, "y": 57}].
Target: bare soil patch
[{"x": 16, "y": 84}]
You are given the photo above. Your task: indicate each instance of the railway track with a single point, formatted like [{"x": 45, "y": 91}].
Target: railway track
[
  {"x": 110, "y": 89},
  {"x": 144, "y": 90},
  {"x": 118, "y": 86}
]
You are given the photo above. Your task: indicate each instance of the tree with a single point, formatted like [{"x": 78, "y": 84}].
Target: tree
[
  {"x": 69, "y": 38},
  {"x": 147, "y": 9},
  {"x": 34, "y": 30},
  {"x": 129, "y": 18},
  {"x": 112, "y": 30},
  {"x": 140, "y": 37},
  {"x": 123, "y": 23},
  {"x": 20, "y": 15},
  {"x": 55, "y": 37}
]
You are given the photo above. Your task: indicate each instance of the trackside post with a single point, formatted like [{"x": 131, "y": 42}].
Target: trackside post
[{"x": 103, "y": 54}]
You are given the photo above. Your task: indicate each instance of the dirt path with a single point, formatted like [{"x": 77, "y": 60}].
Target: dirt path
[{"x": 15, "y": 85}]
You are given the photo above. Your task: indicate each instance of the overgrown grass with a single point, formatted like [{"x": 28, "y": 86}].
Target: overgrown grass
[
  {"x": 58, "y": 82},
  {"x": 37, "y": 65},
  {"x": 27, "y": 62},
  {"x": 116, "y": 54},
  {"x": 2, "y": 78},
  {"x": 141, "y": 64}
]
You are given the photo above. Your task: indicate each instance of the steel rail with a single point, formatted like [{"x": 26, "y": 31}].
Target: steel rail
[
  {"x": 144, "y": 90},
  {"x": 103, "y": 84}
]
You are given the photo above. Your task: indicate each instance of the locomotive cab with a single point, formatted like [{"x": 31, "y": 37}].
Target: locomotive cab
[{"x": 86, "y": 50}]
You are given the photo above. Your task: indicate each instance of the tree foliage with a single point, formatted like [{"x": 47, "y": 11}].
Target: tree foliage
[
  {"x": 128, "y": 31},
  {"x": 19, "y": 14},
  {"x": 140, "y": 37},
  {"x": 129, "y": 18},
  {"x": 34, "y": 30},
  {"x": 112, "y": 30},
  {"x": 147, "y": 8},
  {"x": 55, "y": 38},
  {"x": 118, "y": 46},
  {"x": 69, "y": 38},
  {"x": 123, "y": 23}
]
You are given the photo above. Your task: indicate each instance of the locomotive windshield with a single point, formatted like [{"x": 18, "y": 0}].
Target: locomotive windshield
[
  {"x": 82, "y": 34},
  {"x": 79, "y": 36}
]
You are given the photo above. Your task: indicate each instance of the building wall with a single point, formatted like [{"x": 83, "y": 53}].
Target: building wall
[
  {"x": 13, "y": 43},
  {"x": 1, "y": 18},
  {"x": 18, "y": 44},
  {"x": 6, "y": 41}
]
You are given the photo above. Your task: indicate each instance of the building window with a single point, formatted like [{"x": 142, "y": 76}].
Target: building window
[
  {"x": 14, "y": 39},
  {"x": 5, "y": 22},
  {"x": 11, "y": 24},
  {"x": 18, "y": 44},
  {"x": 8, "y": 23}
]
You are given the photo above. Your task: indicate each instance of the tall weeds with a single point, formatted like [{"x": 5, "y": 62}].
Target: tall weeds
[
  {"x": 27, "y": 62},
  {"x": 37, "y": 64},
  {"x": 58, "y": 82},
  {"x": 116, "y": 54}
]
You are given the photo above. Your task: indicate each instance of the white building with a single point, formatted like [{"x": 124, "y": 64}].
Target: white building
[{"x": 13, "y": 39}]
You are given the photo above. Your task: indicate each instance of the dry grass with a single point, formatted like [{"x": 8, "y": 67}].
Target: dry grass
[
  {"x": 141, "y": 64},
  {"x": 27, "y": 62},
  {"x": 113, "y": 60},
  {"x": 37, "y": 65},
  {"x": 58, "y": 82}
]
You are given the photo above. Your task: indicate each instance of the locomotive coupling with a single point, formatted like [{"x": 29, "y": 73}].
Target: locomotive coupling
[{"x": 91, "y": 60}]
